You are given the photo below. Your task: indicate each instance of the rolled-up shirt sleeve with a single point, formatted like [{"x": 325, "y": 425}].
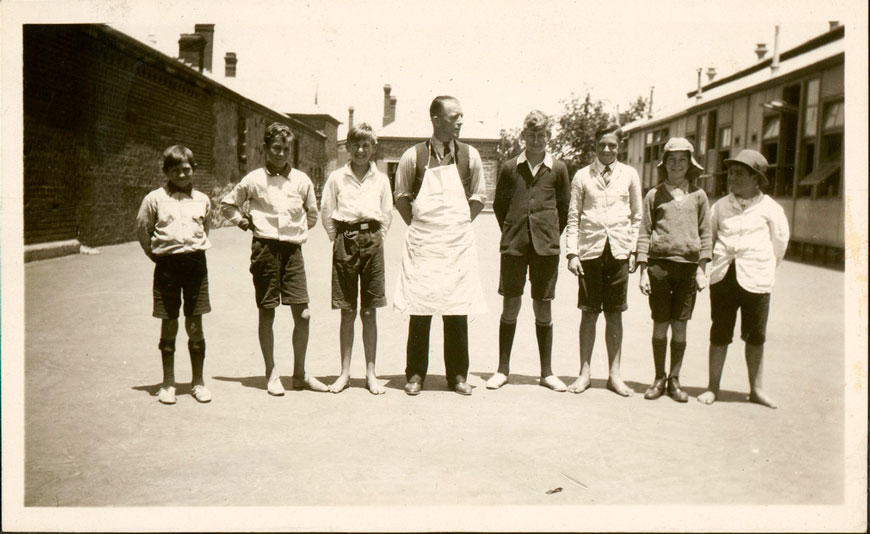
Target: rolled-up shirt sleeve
[
  {"x": 328, "y": 202},
  {"x": 405, "y": 173},
  {"x": 145, "y": 221},
  {"x": 386, "y": 218},
  {"x": 779, "y": 233},
  {"x": 233, "y": 201},
  {"x": 478, "y": 181}
]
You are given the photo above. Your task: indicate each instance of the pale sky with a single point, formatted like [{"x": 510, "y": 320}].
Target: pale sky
[{"x": 500, "y": 58}]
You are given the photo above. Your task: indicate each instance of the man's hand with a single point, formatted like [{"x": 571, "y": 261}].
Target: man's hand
[
  {"x": 574, "y": 266},
  {"x": 700, "y": 279},
  {"x": 644, "y": 280},
  {"x": 632, "y": 262}
]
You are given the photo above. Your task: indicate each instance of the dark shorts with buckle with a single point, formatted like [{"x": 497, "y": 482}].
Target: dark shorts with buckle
[
  {"x": 278, "y": 269},
  {"x": 604, "y": 284},
  {"x": 177, "y": 275},
  {"x": 726, "y": 297},
  {"x": 672, "y": 290},
  {"x": 542, "y": 273},
  {"x": 358, "y": 266}
]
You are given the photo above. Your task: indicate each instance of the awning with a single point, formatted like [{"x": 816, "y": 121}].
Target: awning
[{"x": 821, "y": 173}]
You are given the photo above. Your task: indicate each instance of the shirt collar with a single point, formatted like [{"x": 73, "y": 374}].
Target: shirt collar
[
  {"x": 348, "y": 171},
  {"x": 172, "y": 188},
  {"x": 746, "y": 202},
  {"x": 285, "y": 172},
  {"x": 684, "y": 187},
  {"x": 438, "y": 146},
  {"x": 597, "y": 166},
  {"x": 548, "y": 159}
]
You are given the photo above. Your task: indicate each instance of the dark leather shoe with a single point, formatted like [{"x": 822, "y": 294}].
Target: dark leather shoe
[
  {"x": 462, "y": 388},
  {"x": 674, "y": 390},
  {"x": 656, "y": 390},
  {"x": 414, "y": 386}
]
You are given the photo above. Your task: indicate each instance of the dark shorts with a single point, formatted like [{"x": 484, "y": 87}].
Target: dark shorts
[
  {"x": 358, "y": 269},
  {"x": 542, "y": 272},
  {"x": 279, "y": 273},
  {"x": 726, "y": 297},
  {"x": 672, "y": 290},
  {"x": 176, "y": 275},
  {"x": 604, "y": 284}
]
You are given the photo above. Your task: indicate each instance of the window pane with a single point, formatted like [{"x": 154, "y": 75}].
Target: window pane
[
  {"x": 834, "y": 116},
  {"x": 725, "y": 137},
  {"x": 810, "y": 121},
  {"x": 813, "y": 92},
  {"x": 649, "y": 138},
  {"x": 771, "y": 127}
]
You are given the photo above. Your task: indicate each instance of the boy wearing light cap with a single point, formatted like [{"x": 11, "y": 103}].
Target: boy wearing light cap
[
  {"x": 750, "y": 236},
  {"x": 673, "y": 247}
]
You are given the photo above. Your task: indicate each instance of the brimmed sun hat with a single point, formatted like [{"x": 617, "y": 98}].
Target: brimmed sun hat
[
  {"x": 755, "y": 161},
  {"x": 680, "y": 144}
]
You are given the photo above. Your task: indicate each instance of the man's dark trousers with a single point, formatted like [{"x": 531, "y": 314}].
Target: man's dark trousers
[{"x": 455, "y": 347}]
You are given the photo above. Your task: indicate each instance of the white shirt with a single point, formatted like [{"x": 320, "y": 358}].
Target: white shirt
[
  {"x": 173, "y": 223},
  {"x": 751, "y": 233},
  {"x": 546, "y": 162},
  {"x": 348, "y": 199},
  {"x": 281, "y": 207},
  {"x": 604, "y": 209},
  {"x": 407, "y": 171}
]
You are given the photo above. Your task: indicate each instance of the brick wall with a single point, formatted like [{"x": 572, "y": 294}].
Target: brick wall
[{"x": 100, "y": 108}]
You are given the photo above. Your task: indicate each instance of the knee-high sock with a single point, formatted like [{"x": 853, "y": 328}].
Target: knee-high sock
[
  {"x": 545, "y": 347},
  {"x": 167, "y": 354},
  {"x": 660, "y": 353},
  {"x": 506, "y": 333},
  {"x": 678, "y": 349},
  {"x": 197, "y": 359}
]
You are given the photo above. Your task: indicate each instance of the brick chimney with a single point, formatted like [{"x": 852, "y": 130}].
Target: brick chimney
[
  {"x": 349, "y": 118},
  {"x": 191, "y": 47},
  {"x": 833, "y": 25},
  {"x": 761, "y": 50},
  {"x": 389, "y": 106},
  {"x": 207, "y": 32},
  {"x": 230, "y": 62}
]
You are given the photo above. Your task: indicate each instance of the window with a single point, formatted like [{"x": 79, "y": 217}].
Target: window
[
  {"x": 831, "y": 153},
  {"x": 812, "y": 108},
  {"x": 770, "y": 130},
  {"x": 834, "y": 116},
  {"x": 702, "y": 135},
  {"x": 725, "y": 138}
]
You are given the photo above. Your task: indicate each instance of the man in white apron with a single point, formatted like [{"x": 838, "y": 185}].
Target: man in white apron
[{"x": 439, "y": 190}]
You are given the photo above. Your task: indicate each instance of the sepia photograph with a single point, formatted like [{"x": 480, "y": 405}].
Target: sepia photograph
[{"x": 434, "y": 266}]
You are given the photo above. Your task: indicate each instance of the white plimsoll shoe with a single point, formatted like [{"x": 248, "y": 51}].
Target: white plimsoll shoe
[
  {"x": 496, "y": 381},
  {"x": 166, "y": 395},
  {"x": 201, "y": 393}
]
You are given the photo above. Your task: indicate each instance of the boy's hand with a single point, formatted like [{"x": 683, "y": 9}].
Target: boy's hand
[
  {"x": 700, "y": 280},
  {"x": 632, "y": 262},
  {"x": 644, "y": 282},
  {"x": 245, "y": 224},
  {"x": 574, "y": 266}
]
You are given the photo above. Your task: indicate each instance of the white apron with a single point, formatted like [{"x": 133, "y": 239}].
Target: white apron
[{"x": 439, "y": 263}]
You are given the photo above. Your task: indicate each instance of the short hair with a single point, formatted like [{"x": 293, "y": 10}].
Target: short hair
[
  {"x": 437, "y": 106},
  {"x": 277, "y": 129},
  {"x": 176, "y": 155},
  {"x": 537, "y": 120},
  {"x": 362, "y": 132},
  {"x": 608, "y": 129}
]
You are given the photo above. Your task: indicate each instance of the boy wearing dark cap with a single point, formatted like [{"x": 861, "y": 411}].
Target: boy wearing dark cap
[
  {"x": 172, "y": 228},
  {"x": 750, "y": 236}
]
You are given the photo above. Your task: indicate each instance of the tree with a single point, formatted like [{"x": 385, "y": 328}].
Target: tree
[
  {"x": 510, "y": 144},
  {"x": 636, "y": 110},
  {"x": 580, "y": 119}
]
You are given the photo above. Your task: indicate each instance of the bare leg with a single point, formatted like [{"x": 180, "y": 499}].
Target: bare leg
[
  {"x": 267, "y": 347},
  {"x": 754, "y": 364},
  {"x": 370, "y": 345},
  {"x": 588, "y": 321},
  {"x": 717, "y": 363},
  {"x": 345, "y": 336},
  {"x": 301, "y": 317},
  {"x": 613, "y": 338}
]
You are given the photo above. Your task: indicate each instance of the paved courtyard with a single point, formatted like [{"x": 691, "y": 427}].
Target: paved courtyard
[{"x": 95, "y": 434}]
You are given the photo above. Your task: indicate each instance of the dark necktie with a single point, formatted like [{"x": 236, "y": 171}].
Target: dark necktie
[{"x": 445, "y": 160}]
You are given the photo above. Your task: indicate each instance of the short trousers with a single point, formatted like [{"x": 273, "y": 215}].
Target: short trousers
[
  {"x": 358, "y": 269},
  {"x": 726, "y": 297},
  {"x": 672, "y": 290},
  {"x": 542, "y": 272},
  {"x": 604, "y": 284},
  {"x": 278, "y": 269},
  {"x": 177, "y": 275}
]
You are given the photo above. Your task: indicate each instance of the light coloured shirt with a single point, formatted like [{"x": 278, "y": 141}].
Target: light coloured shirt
[
  {"x": 678, "y": 192},
  {"x": 754, "y": 235},
  {"x": 281, "y": 207},
  {"x": 602, "y": 210},
  {"x": 407, "y": 171},
  {"x": 546, "y": 162},
  {"x": 173, "y": 223},
  {"x": 348, "y": 199}
]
